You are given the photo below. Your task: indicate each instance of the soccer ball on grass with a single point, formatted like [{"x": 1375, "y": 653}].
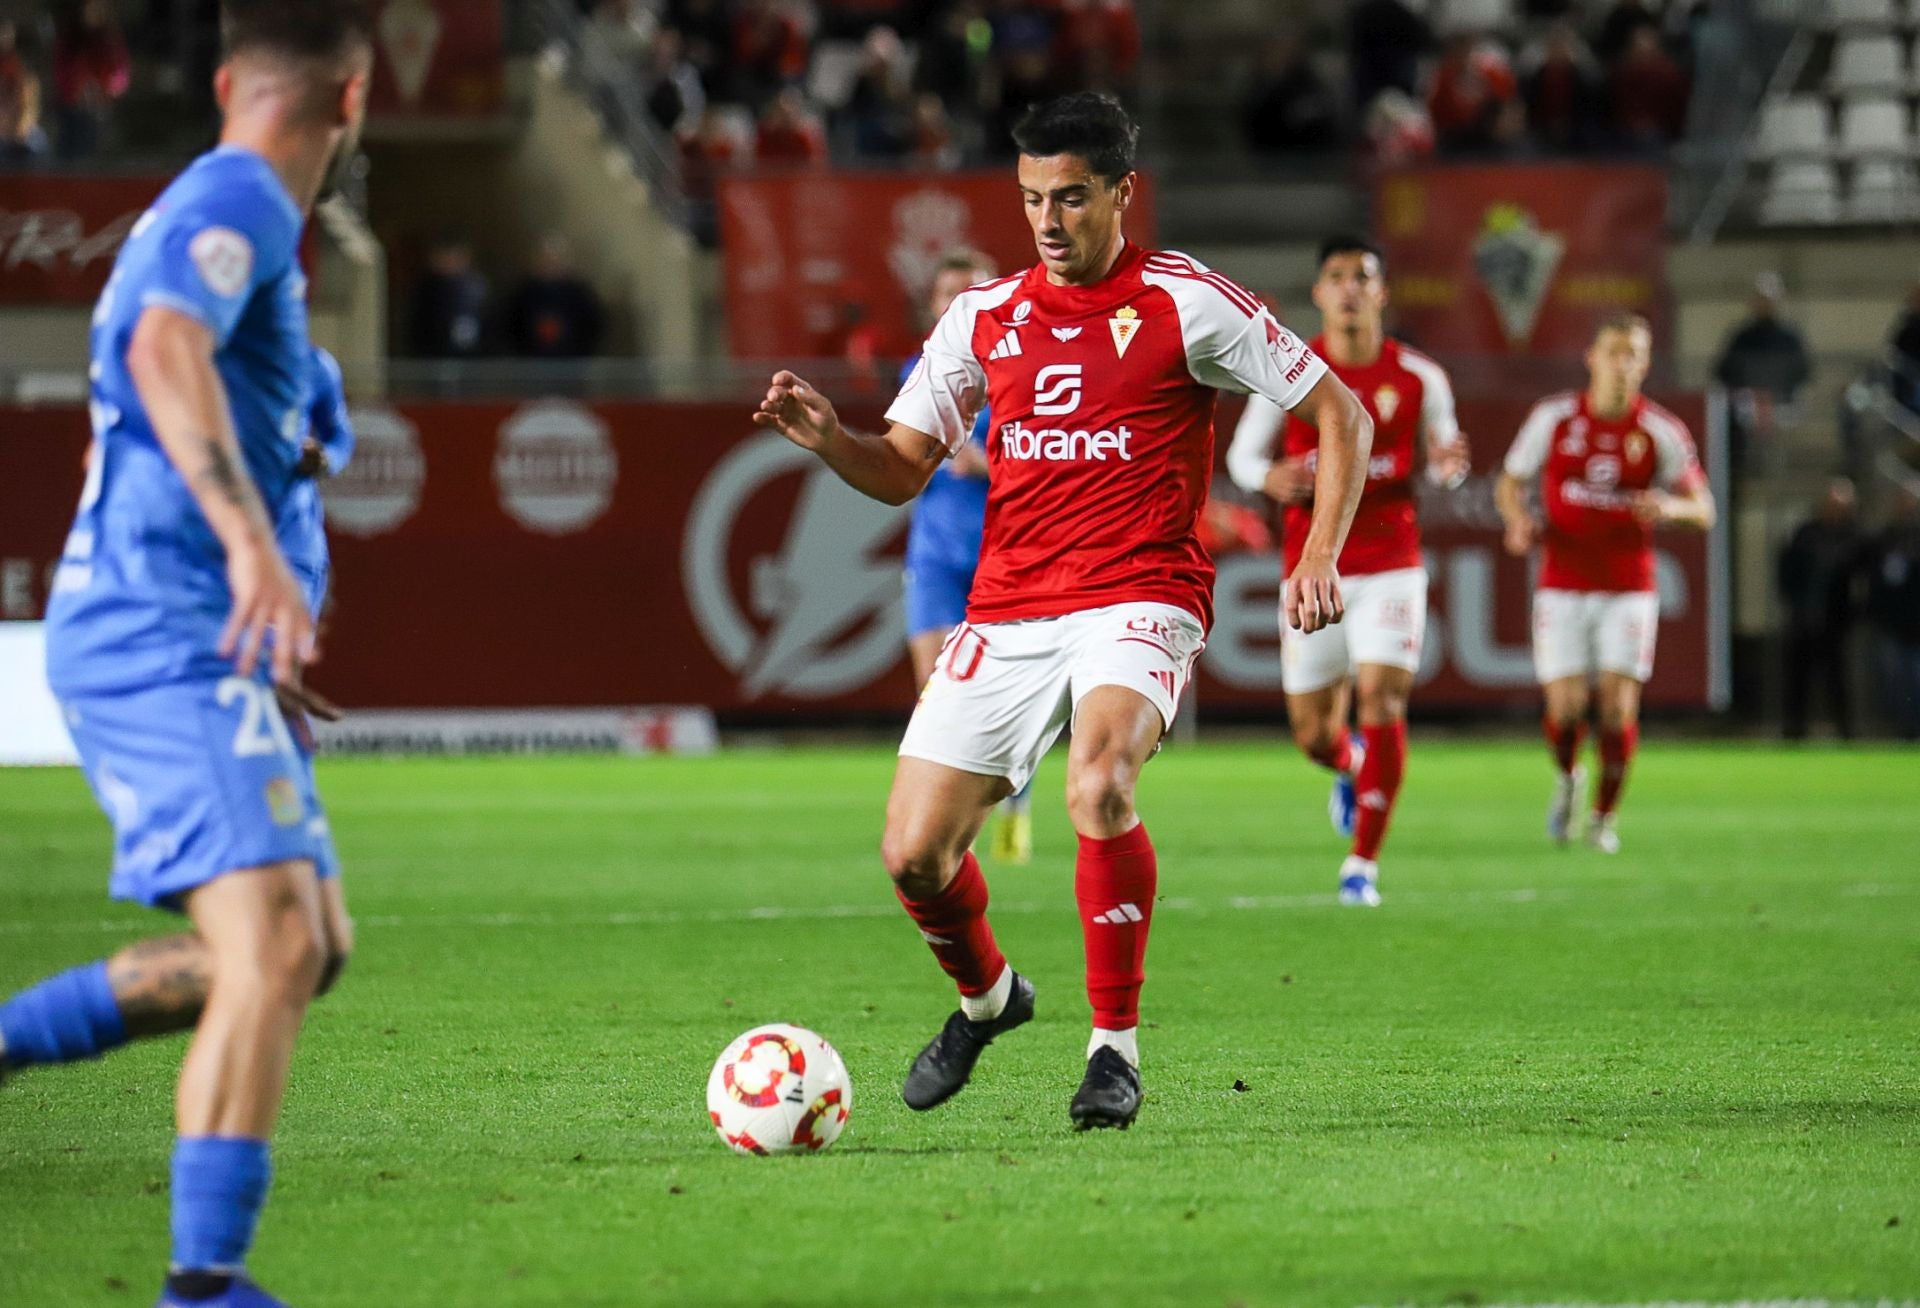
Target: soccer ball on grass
[{"x": 779, "y": 1089}]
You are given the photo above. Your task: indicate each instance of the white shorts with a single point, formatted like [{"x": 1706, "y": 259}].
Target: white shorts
[
  {"x": 1577, "y": 633},
  {"x": 1386, "y": 622},
  {"x": 1002, "y": 692}
]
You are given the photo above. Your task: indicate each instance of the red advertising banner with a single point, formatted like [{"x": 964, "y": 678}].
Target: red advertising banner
[
  {"x": 813, "y": 256},
  {"x": 1522, "y": 258},
  {"x": 59, "y": 233},
  {"x": 554, "y": 554},
  {"x": 438, "y": 59}
]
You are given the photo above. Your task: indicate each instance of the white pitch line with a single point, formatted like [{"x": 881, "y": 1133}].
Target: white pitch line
[{"x": 828, "y": 912}]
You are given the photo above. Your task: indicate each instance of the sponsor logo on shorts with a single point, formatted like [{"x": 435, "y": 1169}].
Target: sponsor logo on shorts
[{"x": 283, "y": 803}]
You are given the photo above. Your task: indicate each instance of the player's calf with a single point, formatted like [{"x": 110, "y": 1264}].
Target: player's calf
[{"x": 154, "y": 987}]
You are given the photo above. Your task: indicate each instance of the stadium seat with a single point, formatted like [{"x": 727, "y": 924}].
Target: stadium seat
[
  {"x": 1884, "y": 191},
  {"x": 1865, "y": 15},
  {"x": 1793, "y": 126},
  {"x": 1868, "y": 63},
  {"x": 1875, "y": 126},
  {"x": 1800, "y": 192}
]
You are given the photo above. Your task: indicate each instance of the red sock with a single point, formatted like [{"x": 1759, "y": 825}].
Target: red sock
[
  {"x": 954, "y": 923},
  {"x": 1114, "y": 881},
  {"x": 1378, "y": 785},
  {"x": 1564, "y": 741},
  {"x": 1616, "y": 754},
  {"x": 1338, "y": 756}
]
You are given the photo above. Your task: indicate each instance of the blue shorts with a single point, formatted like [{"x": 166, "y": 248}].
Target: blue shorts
[
  {"x": 936, "y": 597},
  {"x": 199, "y": 778}
]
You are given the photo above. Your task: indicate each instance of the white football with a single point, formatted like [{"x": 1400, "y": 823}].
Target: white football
[{"x": 779, "y": 1089}]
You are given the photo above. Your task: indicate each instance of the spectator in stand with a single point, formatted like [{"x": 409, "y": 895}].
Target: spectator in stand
[
  {"x": 555, "y": 313},
  {"x": 450, "y": 304},
  {"x": 21, "y": 139},
  {"x": 879, "y": 111},
  {"x": 1289, "y": 109},
  {"x": 1617, "y": 29},
  {"x": 1904, "y": 354},
  {"x": 1563, "y": 92},
  {"x": 953, "y": 60},
  {"x": 1097, "y": 45},
  {"x": 1472, "y": 87},
  {"x": 933, "y": 145},
  {"x": 706, "y": 37},
  {"x": 1385, "y": 42},
  {"x": 1816, "y": 577},
  {"x": 616, "y": 40},
  {"x": 1647, "y": 93},
  {"x": 1399, "y": 130},
  {"x": 789, "y": 135},
  {"x": 91, "y": 70},
  {"x": 675, "y": 97},
  {"x": 1893, "y": 606},
  {"x": 709, "y": 150},
  {"x": 1763, "y": 365},
  {"x": 768, "y": 51}
]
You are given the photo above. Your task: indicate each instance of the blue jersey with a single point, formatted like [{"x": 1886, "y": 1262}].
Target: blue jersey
[
  {"x": 950, "y": 515},
  {"x": 301, "y": 527},
  {"x": 141, "y": 594}
]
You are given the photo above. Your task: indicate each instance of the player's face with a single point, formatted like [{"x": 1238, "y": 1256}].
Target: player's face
[
  {"x": 1075, "y": 215},
  {"x": 1618, "y": 361},
  {"x": 947, "y": 283},
  {"x": 1351, "y": 291}
]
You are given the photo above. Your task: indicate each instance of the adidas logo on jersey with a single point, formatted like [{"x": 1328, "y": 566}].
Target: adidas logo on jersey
[
  {"x": 1121, "y": 916},
  {"x": 1055, "y": 445},
  {"x": 1008, "y": 347}
]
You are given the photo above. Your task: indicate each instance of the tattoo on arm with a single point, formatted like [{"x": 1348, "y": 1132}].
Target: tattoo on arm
[{"x": 228, "y": 479}]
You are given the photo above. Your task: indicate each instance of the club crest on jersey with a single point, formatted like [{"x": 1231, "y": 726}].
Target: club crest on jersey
[
  {"x": 1125, "y": 325},
  {"x": 1386, "y": 403}
]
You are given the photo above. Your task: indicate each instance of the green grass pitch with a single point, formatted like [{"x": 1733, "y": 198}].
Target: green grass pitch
[{"x": 1689, "y": 1072}]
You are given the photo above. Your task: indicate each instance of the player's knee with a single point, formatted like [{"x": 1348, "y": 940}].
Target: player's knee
[
  {"x": 1316, "y": 737},
  {"x": 1380, "y": 705},
  {"x": 917, "y": 864},
  {"x": 284, "y": 962},
  {"x": 1100, "y": 798}
]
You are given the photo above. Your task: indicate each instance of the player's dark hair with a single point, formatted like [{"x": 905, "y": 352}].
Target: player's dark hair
[
  {"x": 1623, "y": 320},
  {"x": 1085, "y": 124},
  {"x": 297, "y": 29},
  {"x": 1348, "y": 243}
]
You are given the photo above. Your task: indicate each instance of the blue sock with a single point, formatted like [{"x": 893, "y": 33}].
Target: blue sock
[
  {"x": 219, "y": 1186},
  {"x": 72, "y": 1015}
]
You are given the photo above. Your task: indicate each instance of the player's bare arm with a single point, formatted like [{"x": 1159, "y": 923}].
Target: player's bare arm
[
  {"x": 1449, "y": 461},
  {"x": 892, "y": 468},
  {"x": 1312, "y": 594},
  {"x": 1289, "y": 481},
  {"x": 1522, "y": 527},
  {"x": 170, "y": 358},
  {"x": 1690, "y": 508}
]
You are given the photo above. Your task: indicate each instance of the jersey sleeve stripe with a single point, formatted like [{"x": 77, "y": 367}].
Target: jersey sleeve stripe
[{"x": 1233, "y": 294}]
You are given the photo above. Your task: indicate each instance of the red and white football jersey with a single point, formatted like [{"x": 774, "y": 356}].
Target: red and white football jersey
[
  {"x": 1410, "y": 400},
  {"x": 1101, "y": 449},
  {"x": 1590, "y": 472}
]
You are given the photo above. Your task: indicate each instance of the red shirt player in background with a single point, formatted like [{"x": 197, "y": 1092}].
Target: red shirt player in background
[
  {"x": 1376, "y": 650},
  {"x": 1093, "y": 595},
  {"x": 1612, "y": 466}
]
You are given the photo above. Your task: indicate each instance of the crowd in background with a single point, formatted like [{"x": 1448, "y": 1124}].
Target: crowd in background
[
  {"x": 61, "y": 72},
  {"x": 553, "y": 312}
]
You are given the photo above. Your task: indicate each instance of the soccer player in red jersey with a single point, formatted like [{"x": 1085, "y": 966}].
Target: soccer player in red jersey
[
  {"x": 1093, "y": 595},
  {"x": 1612, "y": 466},
  {"x": 1371, "y": 656}
]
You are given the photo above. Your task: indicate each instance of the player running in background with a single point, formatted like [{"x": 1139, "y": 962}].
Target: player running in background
[
  {"x": 1612, "y": 466},
  {"x": 1093, "y": 595},
  {"x": 1372, "y": 656},
  {"x": 943, "y": 547},
  {"x": 175, "y": 616}
]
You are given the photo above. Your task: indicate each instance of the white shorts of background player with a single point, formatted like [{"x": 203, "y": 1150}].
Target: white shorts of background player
[
  {"x": 1386, "y": 623},
  {"x": 1577, "y": 633},
  {"x": 1002, "y": 692}
]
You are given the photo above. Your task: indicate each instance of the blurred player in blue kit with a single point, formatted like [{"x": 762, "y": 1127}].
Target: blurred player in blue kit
[
  {"x": 178, "y": 629},
  {"x": 943, "y": 547}
]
